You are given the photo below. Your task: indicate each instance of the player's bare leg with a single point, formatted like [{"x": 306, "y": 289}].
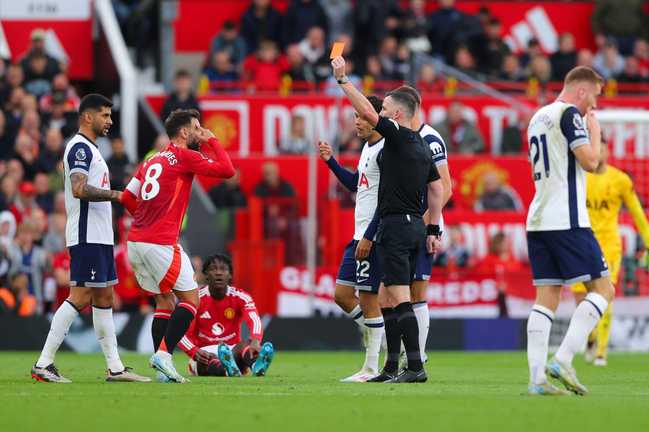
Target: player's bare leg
[
  {"x": 539, "y": 325},
  {"x": 180, "y": 320},
  {"x": 345, "y": 298},
  {"x": 420, "y": 306},
  {"x": 102, "y": 318},
  {"x": 585, "y": 318},
  {"x": 44, "y": 369}
]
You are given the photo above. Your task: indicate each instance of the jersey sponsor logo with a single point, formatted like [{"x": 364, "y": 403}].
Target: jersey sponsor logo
[
  {"x": 218, "y": 329},
  {"x": 597, "y": 205},
  {"x": 105, "y": 183},
  {"x": 363, "y": 181},
  {"x": 229, "y": 313},
  {"x": 206, "y": 315},
  {"x": 80, "y": 155}
]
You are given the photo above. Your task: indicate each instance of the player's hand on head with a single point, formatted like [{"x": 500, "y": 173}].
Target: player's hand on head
[
  {"x": 325, "y": 150},
  {"x": 203, "y": 356},
  {"x": 338, "y": 65},
  {"x": 363, "y": 249},
  {"x": 205, "y": 134}
]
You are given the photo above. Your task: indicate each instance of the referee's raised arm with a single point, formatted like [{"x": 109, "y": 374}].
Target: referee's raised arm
[{"x": 360, "y": 103}]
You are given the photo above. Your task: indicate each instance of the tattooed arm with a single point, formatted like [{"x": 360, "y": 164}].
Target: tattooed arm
[{"x": 82, "y": 190}]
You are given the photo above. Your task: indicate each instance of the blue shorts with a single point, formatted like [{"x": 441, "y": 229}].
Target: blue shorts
[
  {"x": 92, "y": 266},
  {"x": 565, "y": 257},
  {"x": 424, "y": 265},
  {"x": 362, "y": 275}
]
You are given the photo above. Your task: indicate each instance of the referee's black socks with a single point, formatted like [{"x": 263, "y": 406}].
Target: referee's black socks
[
  {"x": 392, "y": 338},
  {"x": 410, "y": 331}
]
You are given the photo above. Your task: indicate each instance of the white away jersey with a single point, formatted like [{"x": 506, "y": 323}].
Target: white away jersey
[
  {"x": 560, "y": 199},
  {"x": 438, "y": 150},
  {"x": 367, "y": 193},
  {"x": 88, "y": 222}
]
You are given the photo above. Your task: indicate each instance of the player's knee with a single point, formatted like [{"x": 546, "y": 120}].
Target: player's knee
[
  {"x": 188, "y": 297},
  {"x": 344, "y": 298},
  {"x": 165, "y": 301},
  {"x": 80, "y": 297},
  {"x": 102, "y": 297}
]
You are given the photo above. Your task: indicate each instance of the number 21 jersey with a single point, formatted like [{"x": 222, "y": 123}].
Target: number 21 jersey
[
  {"x": 162, "y": 186},
  {"x": 559, "y": 203}
]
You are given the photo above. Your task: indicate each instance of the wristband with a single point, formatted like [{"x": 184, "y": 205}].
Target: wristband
[
  {"x": 343, "y": 80},
  {"x": 433, "y": 230}
]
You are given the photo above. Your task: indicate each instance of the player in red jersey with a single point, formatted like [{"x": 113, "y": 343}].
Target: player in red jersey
[
  {"x": 158, "y": 196},
  {"x": 213, "y": 341}
]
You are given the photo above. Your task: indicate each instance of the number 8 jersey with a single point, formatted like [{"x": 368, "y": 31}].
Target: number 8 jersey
[
  {"x": 560, "y": 199},
  {"x": 162, "y": 187}
]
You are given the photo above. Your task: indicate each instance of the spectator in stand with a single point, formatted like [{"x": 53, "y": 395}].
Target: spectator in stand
[
  {"x": 14, "y": 78},
  {"x": 297, "y": 141},
  {"x": 313, "y": 48},
  {"x": 370, "y": 17},
  {"x": 533, "y": 50},
  {"x": 459, "y": 134},
  {"x": 455, "y": 254},
  {"x": 28, "y": 258},
  {"x": 489, "y": 49},
  {"x": 631, "y": 72},
  {"x": 565, "y": 58},
  {"x": 25, "y": 204},
  {"x": 260, "y": 22},
  {"x": 387, "y": 55},
  {"x": 301, "y": 16},
  {"x": 373, "y": 68},
  {"x": 14, "y": 113},
  {"x": 449, "y": 27},
  {"x": 624, "y": 20},
  {"x": 511, "y": 70},
  {"x": 58, "y": 118},
  {"x": 416, "y": 27},
  {"x": 228, "y": 193},
  {"x": 298, "y": 70},
  {"x": 38, "y": 80},
  {"x": 428, "y": 80},
  {"x": 26, "y": 152},
  {"x": 339, "y": 17},
  {"x": 8, "y": 190},
  {"x": 61, "y": 87},
  {"x": 496, "y": 196},
  {"x": 264, "y": 70},
  {"x": 182, "y": 96},
  {"x": 498, "y": 263},
  {"x": 272, "y": 185},
  {"x": 52, "y": 152},
  {"x": 7, "y": 229},
  {"x": 15, "y": 170},
  {"x": 16, "y": 299},
  {"x": 37, "y": 49},
  {"x": 220, "y": 72},
  {"x": 515, "y": 135},
  {"x": 118, "y": 163},
  {"x": 402, "y": 64},
  {"x": 6, "y": 143},
  {"x": 585, "y": 57},
  {"x": 465, "y": 62},
  {"x": 230, "y": 41},
  {"x": 641, "y": 53},
  {"x": 54, "y": 240},
  {"x": 608, "y": 61},
  {"x": 540, "y": 69},
  {"x": 44, "y": 197}
]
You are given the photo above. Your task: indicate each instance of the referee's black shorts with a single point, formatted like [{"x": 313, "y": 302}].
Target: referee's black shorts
[{"x": 399, "y": 239}]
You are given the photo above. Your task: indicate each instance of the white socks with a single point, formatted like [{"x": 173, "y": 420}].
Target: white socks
[
  {"x": 539, "y": 324},
  {"x": 102, "y": 319},
  {"x": 61, "y": 323},
  {"x": 376, "y": 329},
  {"x": 357, "y": 315},
  {"x": 423, "y": 322},
  {"x": 585, "y": 318}
]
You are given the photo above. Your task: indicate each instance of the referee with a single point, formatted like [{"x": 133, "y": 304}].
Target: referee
[{"x": 407, "y": 173}]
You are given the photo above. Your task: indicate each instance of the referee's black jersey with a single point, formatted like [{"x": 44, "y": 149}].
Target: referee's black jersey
[{"x": 406, "y": 169}]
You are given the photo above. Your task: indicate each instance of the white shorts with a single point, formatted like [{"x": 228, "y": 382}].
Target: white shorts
[{"x": 159, "y": 269}]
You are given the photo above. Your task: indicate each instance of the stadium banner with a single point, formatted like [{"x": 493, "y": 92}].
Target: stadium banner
[
  {"x": 198, "y": 21},
  {"x": 67, "y": 26},
  {"x": 252, "y": 125}
]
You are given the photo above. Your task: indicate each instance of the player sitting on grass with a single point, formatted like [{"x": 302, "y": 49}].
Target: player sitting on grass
[{"x": 213, "y": 341}]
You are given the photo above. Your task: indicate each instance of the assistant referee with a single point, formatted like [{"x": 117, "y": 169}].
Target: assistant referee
[{"x": 407, "y": 172}]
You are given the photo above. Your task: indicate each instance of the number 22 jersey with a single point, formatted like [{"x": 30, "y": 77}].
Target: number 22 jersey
[
  {"x": 559, "y": 203},
  {"x": 162, "y": 187}
]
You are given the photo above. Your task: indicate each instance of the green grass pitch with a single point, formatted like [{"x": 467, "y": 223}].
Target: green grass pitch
[{"x": 465, "y": 392}]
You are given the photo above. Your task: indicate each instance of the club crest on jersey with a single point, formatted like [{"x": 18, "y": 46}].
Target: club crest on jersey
[
  {"x": 218, "y": 329},
  {"x": 229, "y": 313},
  {"x": 80, "y": 154}
]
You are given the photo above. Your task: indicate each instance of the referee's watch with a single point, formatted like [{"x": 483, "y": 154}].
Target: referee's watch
[
  {"x": 343, "y": 80},
  {"x": 433, "y": 230}
]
